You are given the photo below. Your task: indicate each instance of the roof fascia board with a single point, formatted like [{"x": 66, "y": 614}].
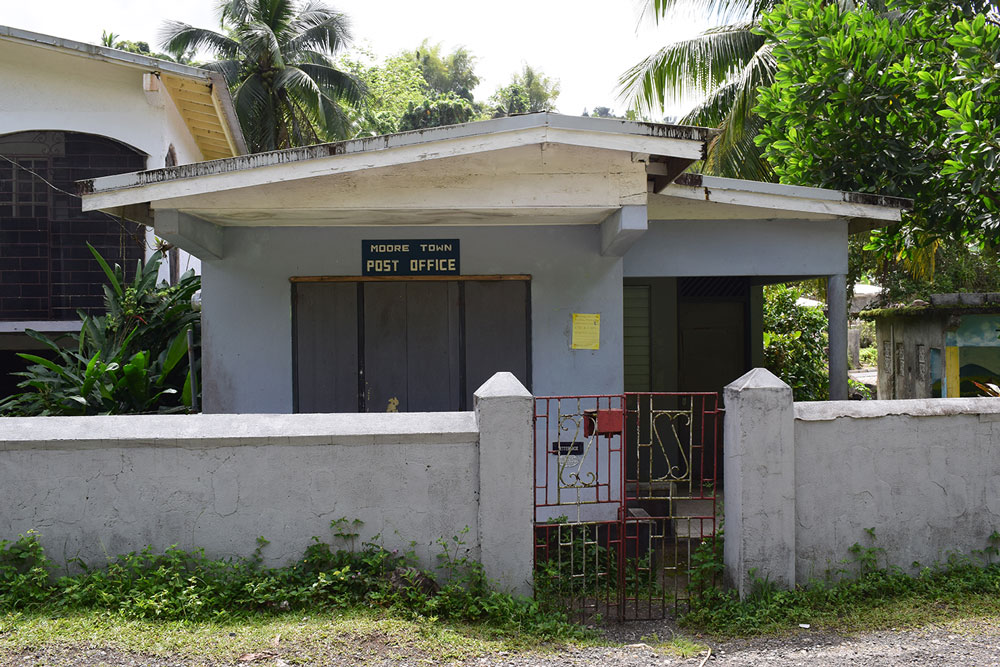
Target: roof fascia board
[
  {"x": 787, "y": 201},
  {"x": 227, "y": 112},
  {"x": 682, "y": 148},
  {"x": 717, "y": 182},
  {"x": 325, "y": 159},
  {"x": 258, "y": 169}
]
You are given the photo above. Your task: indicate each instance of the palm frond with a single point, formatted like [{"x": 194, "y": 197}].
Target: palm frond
[
  {"x": 229, "y": 69},
  {"x": 261, "y": 44},
  {"x": 739, "y": 156},
  {"x": 716, "y": 11},
  {"x": 689, "y": 68},
  {"x": 275, "y": 14},
  {"x": 335, "y": 84},
  {"x": 178, "y": 38},
  {"x": 757, "y": 73},
  {"x": 327, "y": 36},
  {"x": 234, "y": 12}
]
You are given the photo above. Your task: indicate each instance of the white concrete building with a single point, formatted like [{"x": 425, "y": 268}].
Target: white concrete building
[
  {"x": 71, "y": 111},
  {"x": 400, "y": 272}
]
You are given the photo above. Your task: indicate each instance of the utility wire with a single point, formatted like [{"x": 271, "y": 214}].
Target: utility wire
[{"x": 118, "y": 221}]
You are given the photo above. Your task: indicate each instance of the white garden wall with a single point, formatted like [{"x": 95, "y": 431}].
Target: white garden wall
[
  {"x": 804, "y": 481},
  {"x": 97, "y": 487}
]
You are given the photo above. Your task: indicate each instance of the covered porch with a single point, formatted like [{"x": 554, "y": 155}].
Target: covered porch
[{"x": 548, "y": 218}]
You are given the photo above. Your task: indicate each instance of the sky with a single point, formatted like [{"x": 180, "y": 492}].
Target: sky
[{"x": 585, "y": 44}]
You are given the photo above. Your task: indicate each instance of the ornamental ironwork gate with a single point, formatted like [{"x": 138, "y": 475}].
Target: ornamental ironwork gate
[{"x": 625, "y": 501}]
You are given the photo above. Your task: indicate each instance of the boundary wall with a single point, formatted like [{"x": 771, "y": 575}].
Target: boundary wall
[
  {"x": 98, "y": 487},
  {"x": 805, "y": 481}
]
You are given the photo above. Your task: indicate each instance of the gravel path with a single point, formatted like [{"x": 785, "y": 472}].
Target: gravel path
[{"x": 979, "y": 645}]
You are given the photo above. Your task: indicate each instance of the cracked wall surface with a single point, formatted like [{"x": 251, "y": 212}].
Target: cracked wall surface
[{"x": 97, "y": 487}]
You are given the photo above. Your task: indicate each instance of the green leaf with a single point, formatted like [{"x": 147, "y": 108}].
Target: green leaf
[
  {"x": 107, "y": 270},
  {"x": 177, "y": 351}
]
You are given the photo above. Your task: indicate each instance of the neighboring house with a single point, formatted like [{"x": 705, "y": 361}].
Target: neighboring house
[
  {"x": 938, "y": 349},
  {"x": 400, "y": 272},
  {"x": 71, "y": 111}
]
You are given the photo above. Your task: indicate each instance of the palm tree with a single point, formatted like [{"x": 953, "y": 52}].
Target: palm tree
[
  {"x": 724, "y": 66},
  {"x": 277, "y": 57}
]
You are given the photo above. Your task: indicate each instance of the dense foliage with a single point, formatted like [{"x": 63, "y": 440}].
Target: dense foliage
[
  {"x": 133, "y": 359},
  {"x": 904, "y": 103},
  {"x": 795, "y": 343},
  {"x": 177, "y": 584},
  {"x": 278, "y": 58}
]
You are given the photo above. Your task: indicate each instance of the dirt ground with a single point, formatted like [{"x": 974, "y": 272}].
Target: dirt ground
[{"x": 973, "y": 645}]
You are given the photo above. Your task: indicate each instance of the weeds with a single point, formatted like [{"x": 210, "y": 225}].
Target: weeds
[
  {"x": 768, "y": 608},
  {"x": 187, "y": 585}
]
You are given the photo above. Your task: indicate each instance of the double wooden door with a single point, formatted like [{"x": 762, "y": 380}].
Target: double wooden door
[{"x": 408, "y": 345}]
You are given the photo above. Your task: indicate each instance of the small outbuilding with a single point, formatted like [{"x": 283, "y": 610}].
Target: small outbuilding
[
  {"x": 400, "y": 272},
  {"x": 940, "y": 348}
]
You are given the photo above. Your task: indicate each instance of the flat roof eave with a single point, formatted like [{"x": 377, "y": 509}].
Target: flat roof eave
[{"x": 672, "y": 141}]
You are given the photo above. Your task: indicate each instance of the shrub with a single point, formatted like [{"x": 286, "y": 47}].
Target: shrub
[{"x": 133, "y": 359}]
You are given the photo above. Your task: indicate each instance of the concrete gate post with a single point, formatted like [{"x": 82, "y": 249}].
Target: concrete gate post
[
  {"x": 759, "y": 484},
  {"x": 504, "y": 413}
]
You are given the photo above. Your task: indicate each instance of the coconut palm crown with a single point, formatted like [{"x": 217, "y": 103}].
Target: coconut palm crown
[
  {"x": 723, "y": 66},
  {"x": 277, "y": 57}
]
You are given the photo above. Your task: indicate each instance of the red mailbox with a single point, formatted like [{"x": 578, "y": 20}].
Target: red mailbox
[{"x": 603, "y": 422}]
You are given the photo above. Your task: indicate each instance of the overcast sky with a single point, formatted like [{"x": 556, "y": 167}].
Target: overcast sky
[{"x": 585, "y": 44}]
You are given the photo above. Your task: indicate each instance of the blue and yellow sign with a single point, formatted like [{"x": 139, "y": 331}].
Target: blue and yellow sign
[{"x": 420, "y": 257}]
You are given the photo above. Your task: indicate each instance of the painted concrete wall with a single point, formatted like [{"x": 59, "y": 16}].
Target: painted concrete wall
[
  {"x": 923, "y": 473},
  {"x": 247, "y": 365},
  {"x": 48, "y": 90},
  {"x": 102, "y": 486},
  {"x": 739, "y": 248}
]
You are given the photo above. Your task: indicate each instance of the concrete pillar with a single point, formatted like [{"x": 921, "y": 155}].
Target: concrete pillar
[
  {"x": 504, "y": 413},
  {"x": 759, "y": 492},
  {"x": 836, "y": 304}
]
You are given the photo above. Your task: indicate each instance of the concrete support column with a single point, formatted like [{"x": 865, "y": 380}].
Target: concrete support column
[
  {"x": 504, "y": 413},
  {"x": 759, "y": 469},
  {"x": 836, "y": 304}
]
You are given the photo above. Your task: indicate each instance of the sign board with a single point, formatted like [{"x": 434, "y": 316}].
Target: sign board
[{"x": 418, "y": 257}]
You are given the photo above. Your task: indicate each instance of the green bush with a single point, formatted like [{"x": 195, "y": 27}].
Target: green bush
[
  {"x": 795, "y": 339},
  {"x": 187, "y": 585},
  {"x": 133, "y": 359}
]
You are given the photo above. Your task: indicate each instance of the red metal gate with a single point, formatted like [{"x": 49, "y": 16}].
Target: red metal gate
[{"x": 625, "y": 495}]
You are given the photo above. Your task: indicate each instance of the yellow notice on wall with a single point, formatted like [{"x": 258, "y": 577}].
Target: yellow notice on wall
[{"x": 586, "y": 331}]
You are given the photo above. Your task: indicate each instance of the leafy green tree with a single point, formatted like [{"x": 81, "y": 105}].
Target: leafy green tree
[
  {"x": 446, "y": 73},
  {"x": 723, "y": 67},
  {"x": 133, "y": 359},
  {"x": 795, "y": 343},
  {"x": 905, "y": 104},
  {"x": 529, "y": 91},
  {"x": 394, "y": 86},
  {"x": 278, "y": 58},
  {"x": 442, "y": 109}
]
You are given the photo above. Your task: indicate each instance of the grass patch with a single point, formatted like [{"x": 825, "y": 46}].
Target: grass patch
[
  {"x": 180, "y": 586},
  {"x": 320, "y": 638}
]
